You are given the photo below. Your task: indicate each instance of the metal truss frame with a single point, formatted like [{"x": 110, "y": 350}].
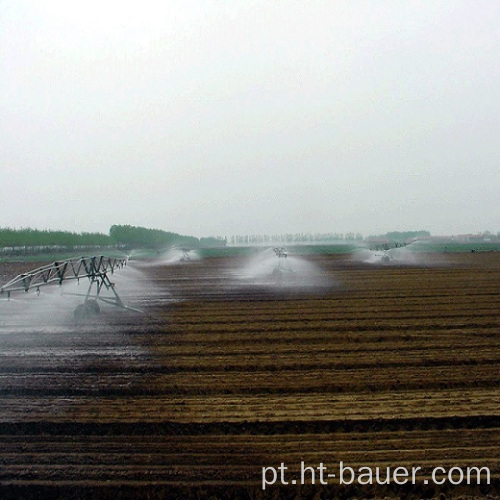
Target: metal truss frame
[{"x": 95, "y": 268}]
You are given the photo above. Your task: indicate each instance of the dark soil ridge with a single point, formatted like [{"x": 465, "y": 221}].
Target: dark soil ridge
[{"x": 249, "y": 428}]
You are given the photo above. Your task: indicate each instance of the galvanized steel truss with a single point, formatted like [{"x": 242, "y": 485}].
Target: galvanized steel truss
[{"x": 95, "y": 269}]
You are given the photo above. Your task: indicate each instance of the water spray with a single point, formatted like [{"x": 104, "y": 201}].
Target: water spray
[{"x": 389, "y": 253}]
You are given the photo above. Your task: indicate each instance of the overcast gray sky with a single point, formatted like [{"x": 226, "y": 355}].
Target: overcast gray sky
[{"x": 237, "y": 117}]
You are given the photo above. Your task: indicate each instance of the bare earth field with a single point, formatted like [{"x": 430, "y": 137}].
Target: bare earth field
[{"x": 226, "y": 373}]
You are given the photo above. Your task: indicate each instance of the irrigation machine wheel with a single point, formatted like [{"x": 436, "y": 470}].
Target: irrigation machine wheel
[
  {"x": 93, "y": 307},
  {"x": 82, "y": 313}
]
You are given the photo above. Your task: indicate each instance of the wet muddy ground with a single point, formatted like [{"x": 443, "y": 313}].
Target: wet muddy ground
[{"x": 232, "y": 367}]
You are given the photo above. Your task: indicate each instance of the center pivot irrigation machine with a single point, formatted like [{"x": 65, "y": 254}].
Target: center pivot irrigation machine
[
  {"x": 283, "y": 268},
  {"x": 387, "y": 253},
  {"x": 185, "y": 255},
  {"x": 281, "y": 252},
  {"x": 96, "y": 269}
]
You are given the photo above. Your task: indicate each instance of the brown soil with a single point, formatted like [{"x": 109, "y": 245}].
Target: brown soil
[{"x": 369, "y": 365}]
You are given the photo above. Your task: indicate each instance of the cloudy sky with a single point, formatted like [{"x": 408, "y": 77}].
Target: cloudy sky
[{"x": 237, "y": 117}]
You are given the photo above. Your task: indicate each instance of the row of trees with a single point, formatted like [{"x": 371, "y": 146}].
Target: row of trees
[
  {"x": 29, "y": 240},
  {"x": 126, "y": 236},
  {"x": 133, "y": 237},
  {"x": 142, "y": 237},
  {"x": 289, "y": 238},
  {"x": 40, "y": 238}
]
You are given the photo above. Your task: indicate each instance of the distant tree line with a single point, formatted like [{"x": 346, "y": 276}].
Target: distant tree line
[
  {"x": 29, "y": 240},
  {"x": 141, "y": 237},
  {"x": 213, "y": 242},
  {"x": 43, "y": 238},
  {"x": 291, "y": 238}
]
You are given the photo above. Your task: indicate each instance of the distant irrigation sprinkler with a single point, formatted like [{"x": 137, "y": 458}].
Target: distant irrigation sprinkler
[
  {"x": 96, "y": 269},
  {"x": 389, "y": 253},
  {"x": 178, "y": 254},
  {"x": 283, "y": 268},
  {"x": 185, "y": 255},
  {"x": 281, "y": 252}
]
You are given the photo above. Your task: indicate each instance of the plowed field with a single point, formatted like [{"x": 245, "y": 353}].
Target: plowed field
[{"x": 373, "y": 365}]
